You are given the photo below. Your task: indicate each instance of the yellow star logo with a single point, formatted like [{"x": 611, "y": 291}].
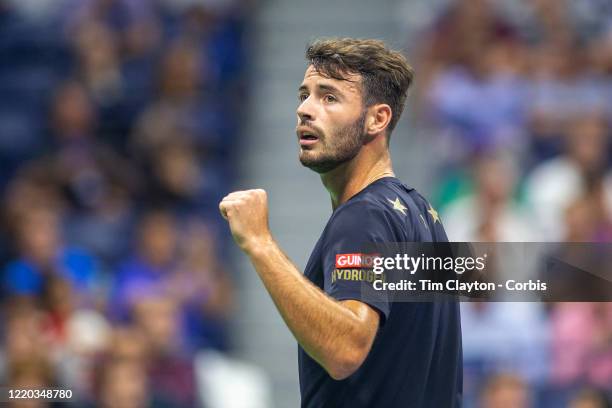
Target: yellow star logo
[
  {"x": 433, "y": 213},
  {"x": 397, "y": 205}
]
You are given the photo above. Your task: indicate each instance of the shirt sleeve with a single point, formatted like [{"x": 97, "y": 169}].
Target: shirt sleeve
[{"x": 357, "y": 226}]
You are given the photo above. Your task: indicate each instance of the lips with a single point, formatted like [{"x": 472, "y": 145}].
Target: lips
[
  {"x": 308, "y": 140},
  {"x": 307, "y": 136}
]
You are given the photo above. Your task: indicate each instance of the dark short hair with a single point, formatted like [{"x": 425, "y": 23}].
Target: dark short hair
[{"x": 386, "y": 75}]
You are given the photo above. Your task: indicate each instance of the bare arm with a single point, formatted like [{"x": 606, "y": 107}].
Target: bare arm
[{"x": 338, "y": 335}]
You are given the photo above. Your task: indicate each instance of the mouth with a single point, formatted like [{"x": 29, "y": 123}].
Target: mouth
[{"x": 307, "y": 137}]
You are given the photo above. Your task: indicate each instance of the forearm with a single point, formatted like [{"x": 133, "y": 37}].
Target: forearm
[
  {"x": 329, "y": 331},
  {"x": 337, "y": 335}
]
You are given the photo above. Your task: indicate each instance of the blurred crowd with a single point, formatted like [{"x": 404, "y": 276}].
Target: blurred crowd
[
  {"x": 515, "y": 97},
  {"x": 117, "y": 122}
]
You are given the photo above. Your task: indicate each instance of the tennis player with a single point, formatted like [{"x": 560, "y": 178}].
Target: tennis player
[{"x": 355, "y": 352}]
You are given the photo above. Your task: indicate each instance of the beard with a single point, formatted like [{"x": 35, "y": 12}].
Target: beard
[{"x": 339, "y": 146}]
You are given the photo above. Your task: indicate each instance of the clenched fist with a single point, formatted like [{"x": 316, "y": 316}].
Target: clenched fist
[{"x": 247, "y": 214}]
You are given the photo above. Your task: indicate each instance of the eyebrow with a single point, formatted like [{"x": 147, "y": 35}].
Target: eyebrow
[{"x": 322, "y": 87}]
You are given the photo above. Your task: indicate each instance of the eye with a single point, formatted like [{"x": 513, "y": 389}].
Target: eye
[
  {"x": 302, "y": 97},
  {"x": 329, "y": 98}
]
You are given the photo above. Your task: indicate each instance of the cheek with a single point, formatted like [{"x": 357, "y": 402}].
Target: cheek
[{"x": 334, "y": 119}]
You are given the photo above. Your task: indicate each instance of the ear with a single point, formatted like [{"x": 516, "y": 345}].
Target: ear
[{"x": 378, "y": 119}]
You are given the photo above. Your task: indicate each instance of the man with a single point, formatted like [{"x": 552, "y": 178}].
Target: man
[{"x": 355, "y": 352}]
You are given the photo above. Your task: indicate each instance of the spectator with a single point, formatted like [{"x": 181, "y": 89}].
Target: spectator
[
  {"x": 97, "y": 183},
  {"x": 555, "y": 183},
  {"x": 123, "y": 383},
  {"x": 582, "y": 351},
  {"x": 170, "y": 369},
  {"x": 206, "y": 287},
  {"x": 31, "y": 373},
  {"x": 193, "y": 280},
  {"x": 23, "y": 338},
  {"x": 99, "y": 62},
  {"x": 481, "y": 105},
  {"x": 505, "y": 391},
  {"x": 178, "y": 178},
  {"x": 76, "y": 78},
  {"x": 490, "y": 214},
  {"x": 183, "y": 106},
  {"x": 43, "y": 255},
  {"x": 505, "y": 337},
  {"x": 590, "y": 398},
  {"x": 77, "y": 336}
]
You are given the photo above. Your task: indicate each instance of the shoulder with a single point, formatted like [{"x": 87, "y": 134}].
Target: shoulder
[
  {"x": 421, "y": 203},
  {"x": 361, "y": 206},
  {"x": 371, "y": 214},
  {"x": 386, "y": 196},
  {"x": 367, "y": 210},
  {"x": 400, "y": 203},
  {"x": 358, "y": 220}
]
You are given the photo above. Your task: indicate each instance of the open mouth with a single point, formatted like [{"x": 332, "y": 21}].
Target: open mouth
[{"x": 307, "y": 137}]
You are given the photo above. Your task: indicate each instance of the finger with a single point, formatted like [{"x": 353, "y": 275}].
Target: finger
[
  {"x": 226, "y": 207},
  {"x": 223, "y": 209},
  {"x": 246, "y": 193},
  {"x": 232, "y": 201},
  {"x": 235, "y": 194}
]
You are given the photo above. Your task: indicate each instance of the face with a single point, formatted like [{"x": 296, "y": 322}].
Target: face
[
  {"x": 331, "y": 119},
  {"x": 507, "y": 396},
  {"x": 158, "y": 238},
  {"x": 124, "y": 385}
]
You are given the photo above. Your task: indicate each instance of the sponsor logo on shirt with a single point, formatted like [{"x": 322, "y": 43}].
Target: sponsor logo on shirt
[
  {"x": 354, "y": 261},
  {"x": 356, "y": 275}
]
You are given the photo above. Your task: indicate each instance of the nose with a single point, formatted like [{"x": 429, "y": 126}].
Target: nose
[{"x": 305, "y": 111}]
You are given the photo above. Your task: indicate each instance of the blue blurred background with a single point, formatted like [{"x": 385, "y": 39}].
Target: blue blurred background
[{"x": 124, "y": 122}]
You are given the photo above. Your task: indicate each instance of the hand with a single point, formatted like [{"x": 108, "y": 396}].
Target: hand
[{"x": 247, "y": 214}]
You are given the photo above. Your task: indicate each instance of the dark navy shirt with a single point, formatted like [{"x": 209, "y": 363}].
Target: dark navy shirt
[{"x": 416, "y": 358}]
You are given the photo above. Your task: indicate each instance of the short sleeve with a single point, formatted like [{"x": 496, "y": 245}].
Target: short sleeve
[{"x": 355, "y": 227}]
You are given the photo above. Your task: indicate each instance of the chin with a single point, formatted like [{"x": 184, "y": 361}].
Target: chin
[
  {"x": 307, "y": 156},
  {"x": 318, "y": 166}
]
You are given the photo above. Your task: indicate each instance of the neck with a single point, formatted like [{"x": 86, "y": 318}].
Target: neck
[{"x": 351, "y": 177}]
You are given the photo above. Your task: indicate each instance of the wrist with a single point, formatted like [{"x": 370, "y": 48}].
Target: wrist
[{"x": 259, "y": 247}]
